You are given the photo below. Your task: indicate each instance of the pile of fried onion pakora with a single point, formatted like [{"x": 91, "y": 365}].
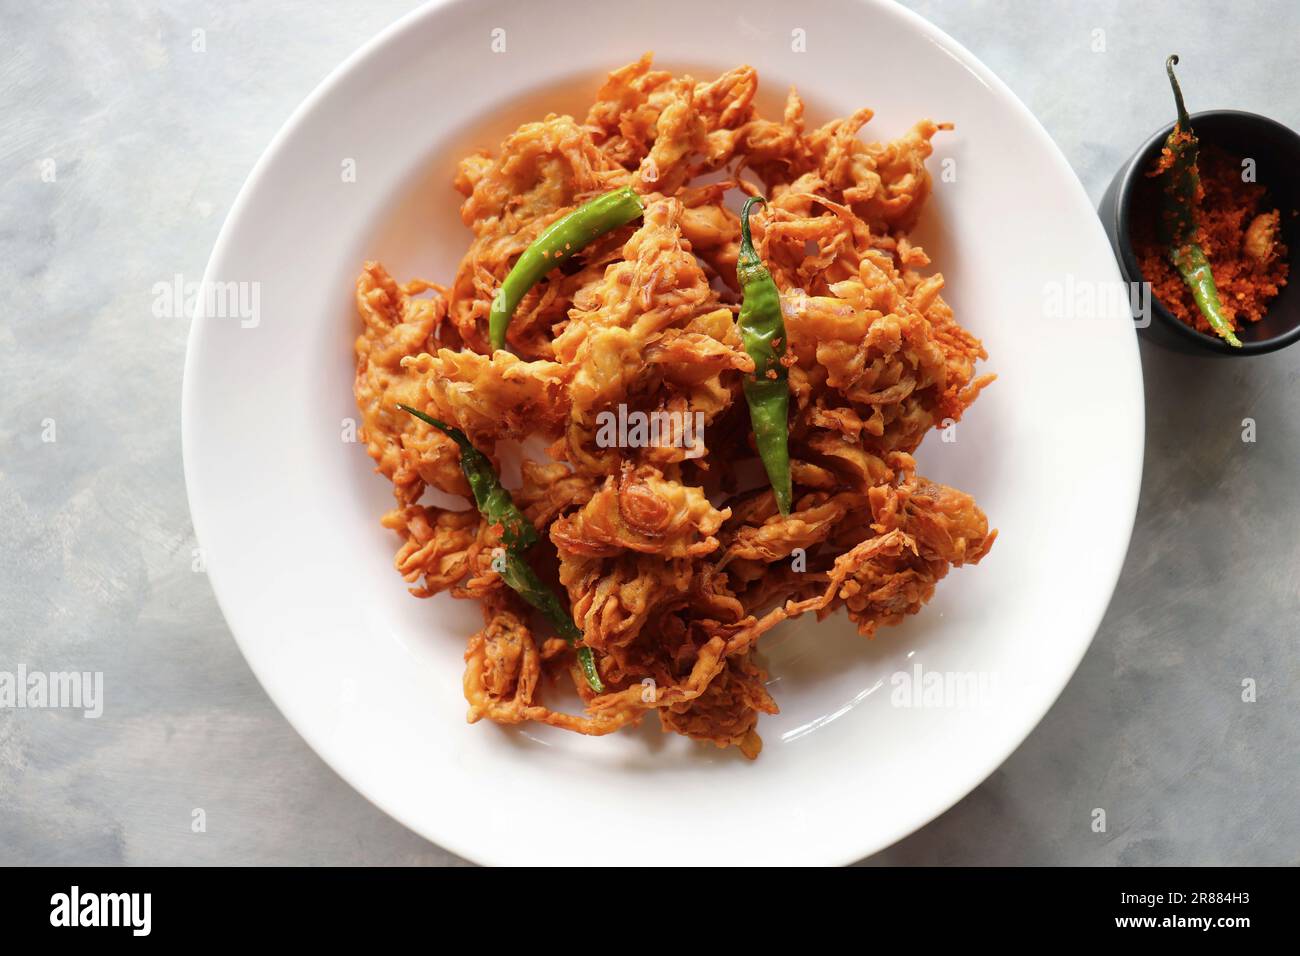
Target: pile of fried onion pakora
[{"x": 672, "y": 558}]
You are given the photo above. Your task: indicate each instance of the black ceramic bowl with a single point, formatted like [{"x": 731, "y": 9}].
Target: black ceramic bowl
[{"x": 1276, "y": 151}]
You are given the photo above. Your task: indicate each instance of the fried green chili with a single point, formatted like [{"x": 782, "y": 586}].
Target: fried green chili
[
  {"x": 1178, "y": 215},
  {"x": 518, "y": 534},
  {"x": 518, "y": 573},
  {"x": 562, "y": 239},
  {"x": 493, "y": 501},
  {"x": 767, "y": 391}
]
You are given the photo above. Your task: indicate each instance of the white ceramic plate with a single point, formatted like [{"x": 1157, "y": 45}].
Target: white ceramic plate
[{"x": 287, "y": 512}]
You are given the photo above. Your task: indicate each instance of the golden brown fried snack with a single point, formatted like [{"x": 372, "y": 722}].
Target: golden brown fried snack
[
  {"x": 641, "y": 511},
  {"x": 726, "y": 714},
  {"x": 674, "y": 562},
  {"x": 398, "y": 326},
  {"x": 626, "y": 330},
  {"x": 493, "y": 398},
  {"x": 543, "y": 170}
]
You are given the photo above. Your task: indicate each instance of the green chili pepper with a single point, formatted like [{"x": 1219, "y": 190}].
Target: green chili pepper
[
  {"x": 1178, "y": 218},
  {"x": 493, "y": 501},
  {"x": 767, "y": 391},
  {"x": 524, "y": 581},
  {"x": 518, "y": 534},
  {"x": 562, "y": 239}
]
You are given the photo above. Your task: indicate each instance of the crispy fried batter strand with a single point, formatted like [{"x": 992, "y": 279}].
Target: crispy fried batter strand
[{"x": 628, "y": 364}]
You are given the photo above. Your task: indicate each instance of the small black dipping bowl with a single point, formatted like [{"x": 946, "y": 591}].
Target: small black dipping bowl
[{"x": 1276, "y": 151}]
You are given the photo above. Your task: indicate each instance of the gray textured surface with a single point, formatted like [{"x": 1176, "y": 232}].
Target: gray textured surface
[{"x": 151, "y": 143}]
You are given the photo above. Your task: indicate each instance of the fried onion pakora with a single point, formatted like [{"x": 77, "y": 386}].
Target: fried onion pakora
[{"x": 674, "y": 563}]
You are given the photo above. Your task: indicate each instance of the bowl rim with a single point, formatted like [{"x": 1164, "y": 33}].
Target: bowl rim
[{"x": 1128, "y": 258}]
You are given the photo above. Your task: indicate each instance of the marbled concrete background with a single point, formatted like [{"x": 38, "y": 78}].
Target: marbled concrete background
[{"x": 150, "y": 143}]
